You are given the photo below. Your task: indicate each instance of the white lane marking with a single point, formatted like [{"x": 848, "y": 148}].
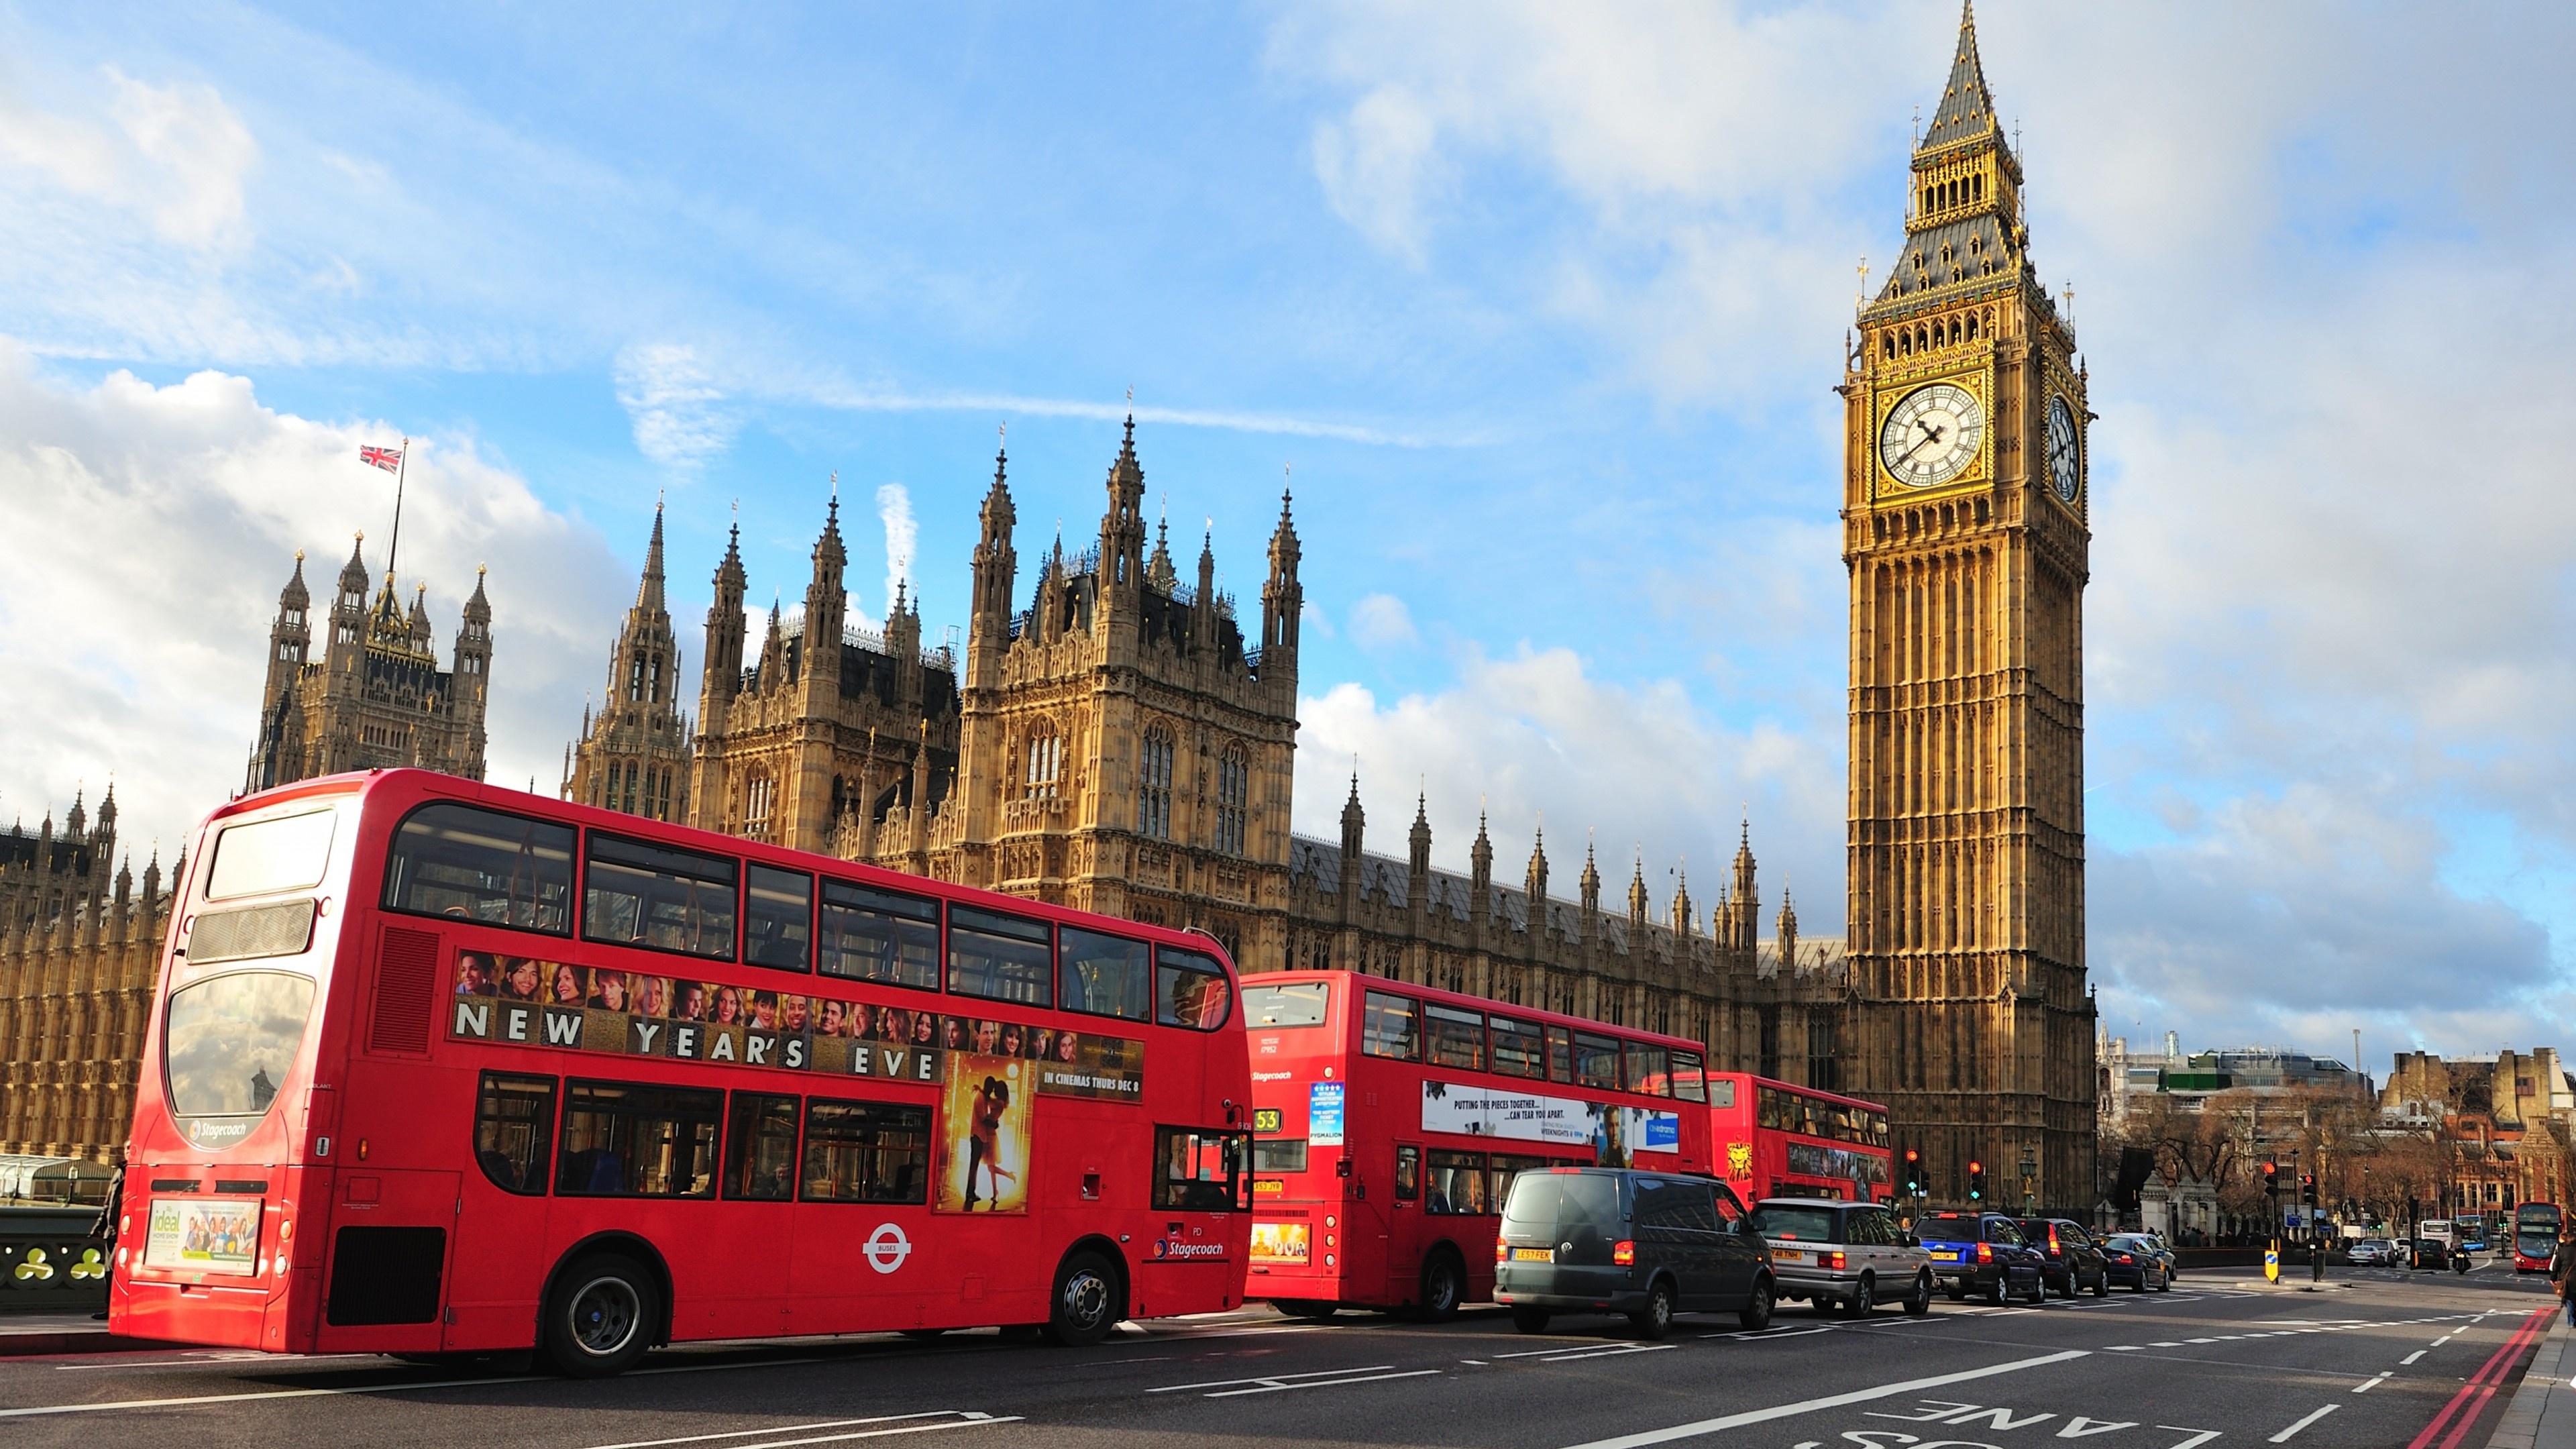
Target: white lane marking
[
  {"x": 2167, "y": 1344},
  {"x": 1766, "y": 1334},
  {"x": 2410, "y": 1358},
  {"x": 1478, "y": 1362},
  {"x": 2284, "y": 1436},
  {"x": 779, "y": 1429},
  {"x": 966, "y": 1423},
  {"x": 1322, "y": 1383},
  {"x": 1272, "y": 1378},
  {"x": 2367, "y": 1387},
  {"x": 1561, "y": 1348},
  {"x": 2445, "y": 1338},
  {"x": 1829, "y": 1401},
  {"x": 1610, "y": 1352}
]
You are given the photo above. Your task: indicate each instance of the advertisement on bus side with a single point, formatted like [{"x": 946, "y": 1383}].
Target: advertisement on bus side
[{"x": 1481, "y": 1111}]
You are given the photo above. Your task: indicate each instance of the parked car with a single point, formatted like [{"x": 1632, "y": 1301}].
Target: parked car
[
  {"x": 2072, "y": 1262},
  {"x": 1843, "y": 1256},
  {"x": 2134, "y": 1261},
  {"x": 1618, "y": 1240},
  {"x": 1981, "y": 1255},
  {"x": 2369, "y": 1252}
]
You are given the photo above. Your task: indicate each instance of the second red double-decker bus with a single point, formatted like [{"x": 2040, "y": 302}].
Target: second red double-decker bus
[
  {"x": 1773, "y": 1139},
  {"x": 1389, "y": 1121},
  {"x": 441, "y": 1069}
]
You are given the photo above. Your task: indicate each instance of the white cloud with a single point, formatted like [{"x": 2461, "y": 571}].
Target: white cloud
[
  {"x": 1372, "y": 164},
  {"x": 176, "y": 155},
  {"x": 1381, "y": 621},
  {"x": 149, "y": 530},
  {"x": 1534, "y": 735},
  {"x": 674, "y": 404},
  {"x": 902, "y": 535}
]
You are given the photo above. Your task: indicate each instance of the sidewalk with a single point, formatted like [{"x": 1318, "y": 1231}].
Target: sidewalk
[
  {"x": 2542, "y": 1414},
  {"x": 26, "y": 1334}
]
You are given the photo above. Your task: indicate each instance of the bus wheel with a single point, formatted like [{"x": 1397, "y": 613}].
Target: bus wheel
[
  {"x": 1312, "y": 1308},
  {"x": 1530, "y": 1320},
  {"x": 1444, "y": 1286},
  {"x": 1086, "y": 1302},
  {"x": 599, "y": 1318}
]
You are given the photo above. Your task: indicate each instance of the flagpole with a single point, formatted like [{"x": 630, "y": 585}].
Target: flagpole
[{"x": 402, "y": 460}]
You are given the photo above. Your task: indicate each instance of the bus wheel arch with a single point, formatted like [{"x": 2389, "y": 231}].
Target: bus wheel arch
[
  {"x": 621, "y": 1245},
  {"x": 1091, "y": 1249}
]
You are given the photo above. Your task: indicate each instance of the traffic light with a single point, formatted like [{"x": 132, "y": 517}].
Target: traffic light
[
  {"x": 2271, "y": 1177},
  {"x": 1913, "y": 1173},
  {"x": 1976, "y": 1182},
  {"x": 2308, "y": 1188}
]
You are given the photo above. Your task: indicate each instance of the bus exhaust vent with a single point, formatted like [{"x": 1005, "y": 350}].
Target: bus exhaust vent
[
  {"x": 406, "y": 978},
  {"x": 386, "y": 1275},
  {"x": 284, "y": 929}
]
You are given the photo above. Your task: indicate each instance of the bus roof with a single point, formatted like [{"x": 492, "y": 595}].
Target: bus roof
[{"x": 1474, "y": 1003}]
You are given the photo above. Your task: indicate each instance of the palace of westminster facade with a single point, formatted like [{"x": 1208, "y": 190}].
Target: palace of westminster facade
[{"x": 1115, "y": 740}]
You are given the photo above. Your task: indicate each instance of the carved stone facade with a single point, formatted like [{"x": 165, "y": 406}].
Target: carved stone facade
[
  {"x": 1964, "y": 530},
  {"x": 376, "y": 699},
  {"x": 634, "y": 753},
  {"x": 79, "y": 950}
]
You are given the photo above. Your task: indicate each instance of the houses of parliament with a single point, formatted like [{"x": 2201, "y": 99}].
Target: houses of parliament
[{"x": 1120, "y": 735}]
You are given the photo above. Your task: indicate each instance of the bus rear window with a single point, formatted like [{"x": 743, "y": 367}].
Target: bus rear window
[
  {"x": 1190, "y": 990},
  {"x": 284, "y": 854},
  {"x": 1300, "y": 1003},
  {"x": 1279, "y": 1154},
  {"x": 481, "y": 865},
  {"x": 1690, "y": 1077},
  {"x": 1390, "y": 1026},
  {"x": 227, "y": 1046}
]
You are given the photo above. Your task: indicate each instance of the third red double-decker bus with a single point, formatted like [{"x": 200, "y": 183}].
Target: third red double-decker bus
[
  {"x": 441, "y": 1069},
  {"x": 1389, "y": 1121},
  {"x": 1773, "y": 1139}
]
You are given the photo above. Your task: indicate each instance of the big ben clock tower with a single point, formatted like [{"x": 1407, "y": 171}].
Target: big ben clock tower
[{"x": 1964, "y": 530}]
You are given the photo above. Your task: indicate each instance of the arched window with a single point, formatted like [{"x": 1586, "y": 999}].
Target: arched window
[
  {"x": 1233, "y": 795},
  {"x": 758, "y": 798},
  {"x": 1154, "y": 786},
  {"x": 1046, "y": 764}
]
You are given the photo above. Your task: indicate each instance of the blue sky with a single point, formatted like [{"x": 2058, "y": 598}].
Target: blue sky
[{"x": 1540, "y": 304}]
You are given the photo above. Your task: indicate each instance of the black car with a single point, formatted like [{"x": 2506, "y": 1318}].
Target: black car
[
  {"x": 2134, "y": 1262},
  {"x": 2430, "y": 1253},
  {"x": 2071, "y": 1262},
  {"x": 1981, "y": 1255},
  {"x": 1618, "y": 1240}
]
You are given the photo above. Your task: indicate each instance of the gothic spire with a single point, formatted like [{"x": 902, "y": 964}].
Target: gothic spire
[
  {"x": 1966, "y": 109},
  {"x": 648, "y": 593}
]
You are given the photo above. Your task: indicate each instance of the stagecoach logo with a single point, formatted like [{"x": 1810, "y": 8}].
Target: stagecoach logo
[
  {"x": 1172, "y": 1250},
  {"x": 887, "y": 1247}
]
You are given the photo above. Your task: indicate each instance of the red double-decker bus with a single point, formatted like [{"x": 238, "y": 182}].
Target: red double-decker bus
[
  {"x": 440, "y": 1069},
  {"x": 1389, "y": 1121},
  {"x": 1773, "y": 1139}
]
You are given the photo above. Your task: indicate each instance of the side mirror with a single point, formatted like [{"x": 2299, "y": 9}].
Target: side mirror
[{"x": 1912, "y": 1241}]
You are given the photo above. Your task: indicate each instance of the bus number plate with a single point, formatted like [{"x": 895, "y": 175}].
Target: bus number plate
[{"x": 1533, "y": 1255}]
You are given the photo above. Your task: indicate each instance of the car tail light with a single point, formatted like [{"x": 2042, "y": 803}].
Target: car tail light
[
  {"x": 1624, "y": 1253},
  {"x": 1502, "y": 1251},
  {"x": 2125, "y": 1258},
  {"x": 1985, "y": 1252},
  {"x": 1837, "y": 1262}
]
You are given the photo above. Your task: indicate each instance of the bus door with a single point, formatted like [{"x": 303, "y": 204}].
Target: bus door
[
  {"x": 760, "y": 1177},
  {"x": 393, "y": 1236},
  {"x": 1400, "y": 1229},
  {"x": 862, "y": 1256}
]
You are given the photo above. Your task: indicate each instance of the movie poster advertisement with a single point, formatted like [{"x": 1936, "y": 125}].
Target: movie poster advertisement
[
  {"x": 216, "y": 1235},
  {"x": 524, "y": 1001},
  {"x": 984, "y": 1135}
]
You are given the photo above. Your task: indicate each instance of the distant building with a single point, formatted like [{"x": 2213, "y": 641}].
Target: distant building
[
  {"x": 376, "y": 699},
  {"x": 2507, "y": 1123},
  {"x": 633, "y": 754},
  {"x": 2131, "y": 1081}
]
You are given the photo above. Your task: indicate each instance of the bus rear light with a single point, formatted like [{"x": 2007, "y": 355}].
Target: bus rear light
[{"x": 1624, "y": 1253}]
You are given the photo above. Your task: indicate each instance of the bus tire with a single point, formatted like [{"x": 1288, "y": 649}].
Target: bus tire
[
  {"x": 1444, "y": 1287},
  {"x": 600, "y": 1317},
  {"x": 1085, "y": 1305},
  {"x": 1530, "y": 1320}
]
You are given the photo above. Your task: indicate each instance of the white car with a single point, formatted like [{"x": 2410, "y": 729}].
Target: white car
[{"x": 2372, "y": 1250}]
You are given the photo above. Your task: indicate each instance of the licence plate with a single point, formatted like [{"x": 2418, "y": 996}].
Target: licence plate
[
  {"x": 1533, "y": 1255},
  {"x": 1945, "y": 1257},
  {"x": 1787, "y": 1255}
]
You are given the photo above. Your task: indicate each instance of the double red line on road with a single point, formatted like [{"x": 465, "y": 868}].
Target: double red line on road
[{"x": 2471, "y": 1400}]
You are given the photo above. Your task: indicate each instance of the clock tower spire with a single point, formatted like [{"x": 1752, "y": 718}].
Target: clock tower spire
[{"x": 1965, "y": 534}]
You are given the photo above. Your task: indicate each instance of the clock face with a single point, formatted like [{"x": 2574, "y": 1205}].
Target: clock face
[
  {"x": 1932, "y": 435},
  {"x": 2065, "y": 469}
]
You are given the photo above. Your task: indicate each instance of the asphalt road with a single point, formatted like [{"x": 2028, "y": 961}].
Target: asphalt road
[{"x": 2222, "y": 1361}]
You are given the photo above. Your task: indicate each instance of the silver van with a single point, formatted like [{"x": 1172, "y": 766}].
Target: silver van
[
  {"x": 1620, "y": 1240},
  {"x": 1846, "y": 1256}
]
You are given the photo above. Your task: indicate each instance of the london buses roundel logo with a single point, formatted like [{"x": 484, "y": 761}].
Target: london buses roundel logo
[{"x": 887, "y": 1247}]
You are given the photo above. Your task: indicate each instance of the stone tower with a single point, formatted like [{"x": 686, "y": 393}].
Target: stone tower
[
  {"x": 376, "y": 699},
  {"x": 1124, "y": 748},
  {"x": 1964, "y": 531},
  {"x": 634, "y": 754}
]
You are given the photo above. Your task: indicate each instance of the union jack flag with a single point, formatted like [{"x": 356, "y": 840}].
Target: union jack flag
[{"x": 389, "y": 459}]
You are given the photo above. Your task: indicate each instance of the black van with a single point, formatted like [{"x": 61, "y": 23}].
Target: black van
[{"x": 1618, "y": 1240}]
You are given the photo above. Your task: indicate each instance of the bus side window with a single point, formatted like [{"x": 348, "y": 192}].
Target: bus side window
[
  {"x": 1690, "y": 1078},
  {"x": 1457, "y": 1038},
  {"x": 1408, "y": 1172},
  {"x": 514, "y": 1131},
  {"x": 1389, "y": 1026},
  {"x": 1647, "y": 1072},
  {"x": 481, "y": 865},
  {"x": 1105, "y": 975},
  {"x": 866, "y": 1152},
  {"x": 1000, "y": 958},
  {"x": 1202, "y": 1171},
  {"x": 778, "y": 921},
  {"x": 1596, "y": 1061},
  {"x": 1190, "y": 990},
  {"x": 631, "y": 1139},
  {"x": 1560, "y": 1054},
  {"x": 874, "y": 935},
  {"x": 760, "y": 1148},
  {"x": 639, "y": 894}
]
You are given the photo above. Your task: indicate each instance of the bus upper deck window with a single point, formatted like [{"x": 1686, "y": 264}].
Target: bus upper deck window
[
  {"x": 284, "y": 853},
  {"x": 1647, "y": 1071},
  {"x": 1000, "y": 958},
  {"x": 1520, "y": 1048},
  {"x": 1190, "y": 989},
  {"x": 659, "y": 898},
  {"x": 1456, "y": 1038},
  {"x": 1690, "y": 1077},
  {"x": 481, "y": 865},
  {"x": 1596, "y": 1061},
  {"x": 1105, "y": 975},
  {"x": 1390, "y": 1026},
  {"x": 778, "y": 918},
  {"x": 874, "y": 935}
]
